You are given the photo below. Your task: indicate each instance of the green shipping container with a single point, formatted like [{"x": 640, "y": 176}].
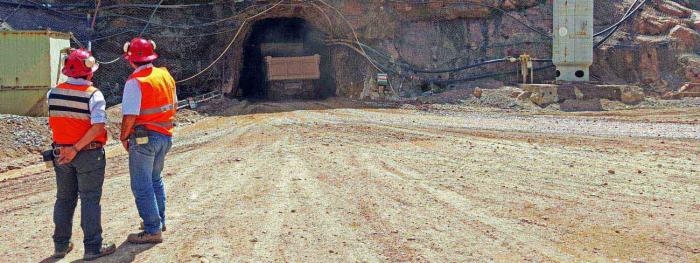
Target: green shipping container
[{"x": 29, "y": 67}]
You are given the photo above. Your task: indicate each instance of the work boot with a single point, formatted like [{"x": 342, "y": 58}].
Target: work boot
[
  {"x": 62, "y": 252},
  {"x": 145, "y": 238},
  {"x": 162, "y": 229},
  {"x": 105, "y": 250}
]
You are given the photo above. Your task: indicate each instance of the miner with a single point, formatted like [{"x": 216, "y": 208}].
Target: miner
[
  {"x": 149, "y": 104},
  {"x": 77, "y": 119}
]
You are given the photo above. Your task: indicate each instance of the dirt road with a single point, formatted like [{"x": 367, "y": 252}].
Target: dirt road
[{"x": 354, "y": 185}]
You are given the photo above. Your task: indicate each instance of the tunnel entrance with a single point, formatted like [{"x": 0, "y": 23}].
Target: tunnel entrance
[{"x": 286, "y": 59}]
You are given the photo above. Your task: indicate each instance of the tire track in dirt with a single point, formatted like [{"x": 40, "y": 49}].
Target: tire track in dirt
[
  {"x": 387, "y": 186},
  {"x": 494, "y": 182},
  {"x": 387, "y": 233},
  {"x": 316, "y": 208}
]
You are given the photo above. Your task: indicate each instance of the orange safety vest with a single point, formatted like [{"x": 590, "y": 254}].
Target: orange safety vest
[
  {"x": 158, "y": 105},
  {"x": 69, "y": 113}
]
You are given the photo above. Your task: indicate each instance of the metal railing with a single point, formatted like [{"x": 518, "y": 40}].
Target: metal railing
[{"x": 192, "y": 102}]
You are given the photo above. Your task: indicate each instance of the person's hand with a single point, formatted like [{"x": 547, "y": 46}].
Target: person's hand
[
  {"x": 67, "y": 154},
  {"x": 125, "y": 143}
]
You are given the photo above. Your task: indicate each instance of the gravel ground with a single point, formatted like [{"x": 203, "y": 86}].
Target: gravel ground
[
  {"x": 21, "y": 136},
  {"x": 397, "y": 185}
]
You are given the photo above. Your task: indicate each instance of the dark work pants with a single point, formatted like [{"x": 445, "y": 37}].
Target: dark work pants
[{"x": 83, "y": 178}]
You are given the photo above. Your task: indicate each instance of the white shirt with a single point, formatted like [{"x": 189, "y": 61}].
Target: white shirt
[
  {"x": 97, "y": 104},
  {"x": 131, "y": 100}
]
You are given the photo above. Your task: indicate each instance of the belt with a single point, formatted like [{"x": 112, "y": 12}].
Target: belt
[{"x": 90, "y": 146}]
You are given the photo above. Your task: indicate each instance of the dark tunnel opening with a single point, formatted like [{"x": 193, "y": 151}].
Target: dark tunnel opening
[{"x": 286, "y": 59}]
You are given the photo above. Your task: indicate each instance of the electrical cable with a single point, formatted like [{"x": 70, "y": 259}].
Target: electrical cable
[
  {"x": 19, "y": 5},
  {"x": 361, "y": 49},
  {"x": 76, "y": 40},
  {"x": 468, "y": 2},
  {"x": 150, "y": 18},
  {"x": 188, "y": 27},
  {"x": 447, "y": 81},
  {"x": 437, "y": 71},
  {"x": 624, "y": 19},
  {"x": 94, "y": 17},
  {"x": 109, "y": 62},
  {"x": 233, "y": 40},
  {"x": 49, "y": 8},
  {"x": 612, "y": 31},
  {"x": 354, "y": 33},
  {"x": 500, "y": 60},
  {"x": 180, "y": 6},
  {"x": 357, "y": 39},
  {"x": 485, "y": 75}
]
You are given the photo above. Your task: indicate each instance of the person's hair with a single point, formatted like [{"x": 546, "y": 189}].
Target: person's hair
[{"x": 138, "y": 64}]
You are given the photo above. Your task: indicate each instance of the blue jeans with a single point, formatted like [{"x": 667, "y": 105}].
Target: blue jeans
[
  {"x": 83, "y": 177},
  {"x": 146, "y": 163}
]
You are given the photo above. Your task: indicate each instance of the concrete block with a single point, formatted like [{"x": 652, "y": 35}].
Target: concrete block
[
  {"x": 542, "y": 94},
  {"x": 581, "y": 105}
]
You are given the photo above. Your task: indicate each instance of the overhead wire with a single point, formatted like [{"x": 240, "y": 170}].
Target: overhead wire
[
  {"x": 230, "y": 44},
  {"x": 612, "y": 31},
  {"x": 49, "y": 8},
  {"x": 624, "y": 19},
  {"x": 354, "y": 33},
  {"x": 188, "y": 27},
  {"x": 360, "y": 47},
  {"x": 19, "y": 5},
  {"x": 109, "y": 62},
  {"x": 501, "y": 10},
  {"x": 151, "y": 17}
]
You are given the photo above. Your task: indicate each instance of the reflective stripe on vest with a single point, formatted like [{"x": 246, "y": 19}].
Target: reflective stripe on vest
[
  {"x": 70, "y": 103},
  {"x": 157, "y": 111},
  {"x": 166, "y": 124},
  {"x": 69, "y": 113}
]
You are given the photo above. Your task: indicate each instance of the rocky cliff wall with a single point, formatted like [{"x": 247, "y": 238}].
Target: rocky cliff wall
[{"x": 658, "y": 49}]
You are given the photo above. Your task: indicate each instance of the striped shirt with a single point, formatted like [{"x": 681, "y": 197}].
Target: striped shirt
[{"x": 97, "y": 103}]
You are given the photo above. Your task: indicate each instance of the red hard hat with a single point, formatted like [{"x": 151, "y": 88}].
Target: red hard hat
[
  {"x": 140, "y": 50},
  {"x": 79, "y": 63}
]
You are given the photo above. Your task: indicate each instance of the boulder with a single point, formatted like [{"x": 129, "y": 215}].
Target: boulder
[
  {"x": 478, "y": 92},
  {"x": 654, "y": 25},
  {"x": 518, "y": 4},
  {"x": 515, "y": 94},
  {"x": 525, "y": 95},
  {"x": 691, "y": 67},
  {"x": 689, "y": 90},
  {"x": 631, "y": 95},
  {"x": 690, "y": 87},
  {"x": 686, "y": 37},
  {"x": 542, "y": 94},
  {"x": 671, "y": 96},
  {"x": 673, "y": 9}
]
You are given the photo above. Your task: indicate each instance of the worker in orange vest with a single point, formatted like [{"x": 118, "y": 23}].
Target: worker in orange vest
[
  {"x": 149, "y": 104},
  {"x": 77, "y": 119}
]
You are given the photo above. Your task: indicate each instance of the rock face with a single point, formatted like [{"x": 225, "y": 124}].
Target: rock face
[
  {"x": 691, "y": 67},
  {"x": 673, "y": 9},
  {"x": 654, "y": 25},
  {"x": 687, "y": 38},
  {"x": 403, "y": 37}
]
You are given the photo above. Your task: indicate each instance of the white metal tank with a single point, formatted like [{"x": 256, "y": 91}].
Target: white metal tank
[{"x": 573, "y": 39}]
